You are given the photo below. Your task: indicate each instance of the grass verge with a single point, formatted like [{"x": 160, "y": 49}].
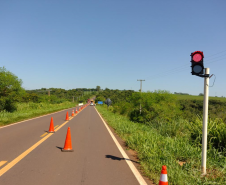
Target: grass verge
[
  {"x": 31, "y": 110},
  {"x": 183, "y": 160},
  {"x": 191, "y": 97}
]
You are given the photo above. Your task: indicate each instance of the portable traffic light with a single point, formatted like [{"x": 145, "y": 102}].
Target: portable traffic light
[{"x": 197, "y": 63}]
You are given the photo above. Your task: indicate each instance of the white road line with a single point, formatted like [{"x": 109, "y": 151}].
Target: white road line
[
  {"x": 136, "y": 173},
  {"x": 34, "y": 118}
]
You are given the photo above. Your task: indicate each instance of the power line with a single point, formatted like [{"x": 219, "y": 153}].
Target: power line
[
  {"x": 181, "y": 70},
  {"x": 216, "y": 57},
  {"x": 216, "y": 54},
  {"x": 184, "y": 67}
]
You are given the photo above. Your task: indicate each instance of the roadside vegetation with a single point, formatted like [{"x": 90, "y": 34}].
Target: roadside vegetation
[
  {"x": 169, "y": 132},
  {"x": 18, "y": 104},
  {"x": 31, "y": 110}
]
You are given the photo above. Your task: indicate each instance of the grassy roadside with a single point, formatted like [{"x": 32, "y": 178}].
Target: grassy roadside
[
  {"x": 182, "y": 159},
  {"x": 191, "y": 97},
  {"x": 31, "y": 110}
]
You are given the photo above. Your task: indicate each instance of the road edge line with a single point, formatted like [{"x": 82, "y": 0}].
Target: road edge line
[{"x": 136, "y": 173}]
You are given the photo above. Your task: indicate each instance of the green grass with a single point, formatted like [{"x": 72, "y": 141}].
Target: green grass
[
  {"x": 191, "y": 97},
  {"x": 31, "y": 110},
  {"x": 159, "y": 144}
]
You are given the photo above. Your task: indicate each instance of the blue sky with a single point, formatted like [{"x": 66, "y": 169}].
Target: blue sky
[{"x": 112, "y": 43}]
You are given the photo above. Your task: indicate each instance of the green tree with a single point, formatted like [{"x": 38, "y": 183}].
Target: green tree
[
  {"x": 98, "y": 88},
  {"x": 10, "y": 90}
]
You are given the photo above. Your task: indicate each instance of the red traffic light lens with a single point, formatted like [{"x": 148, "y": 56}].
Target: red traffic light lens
[{"x": 197, "y": 57}]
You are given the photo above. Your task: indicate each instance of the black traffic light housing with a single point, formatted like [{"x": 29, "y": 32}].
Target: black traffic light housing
[{"x": 197, "y": 67}]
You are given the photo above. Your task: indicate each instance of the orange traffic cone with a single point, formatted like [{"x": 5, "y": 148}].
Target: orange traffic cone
[
  {"x": 163, "y": 178},
  {"x": 51, "y": 126},
  {"x": 67, "y": 117},
  {"x": 76, "y": 111},
  {"x": 67, "y": 145},
  {"x": 73, "y": 113}
]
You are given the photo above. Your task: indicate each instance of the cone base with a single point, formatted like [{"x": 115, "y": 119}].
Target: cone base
[
  {"x": 51, "y": 132},
  {"x": 62, "y": 150},
  {"x": 163, "y": 183}
]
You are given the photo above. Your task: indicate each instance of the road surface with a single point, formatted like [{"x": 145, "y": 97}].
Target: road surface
[{"x": 30, "y": 156}]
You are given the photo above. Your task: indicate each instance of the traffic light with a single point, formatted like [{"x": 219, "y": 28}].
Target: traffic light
[{"x": 197, "y": 63}]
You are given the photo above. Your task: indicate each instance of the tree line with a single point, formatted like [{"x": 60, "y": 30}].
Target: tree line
[{"x": 12, "y": 92}]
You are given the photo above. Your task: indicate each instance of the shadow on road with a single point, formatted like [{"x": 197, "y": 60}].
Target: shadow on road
[
  {"x": 59, "y": 147},
  {"x": 119, "y": 159}
]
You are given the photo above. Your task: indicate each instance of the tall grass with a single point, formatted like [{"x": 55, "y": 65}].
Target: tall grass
[
  {"x": 160, "y": 144},
  {"x": 191, "y": 97},
  {"x": 30, "y": 110}
]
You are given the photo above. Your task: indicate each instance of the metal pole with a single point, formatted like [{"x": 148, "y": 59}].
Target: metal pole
[
  {"x": 73, "y": 98},
  {"x": 205, "y": 121}
]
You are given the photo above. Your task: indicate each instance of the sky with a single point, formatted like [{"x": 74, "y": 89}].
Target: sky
[{"x": 113, "y": 43}]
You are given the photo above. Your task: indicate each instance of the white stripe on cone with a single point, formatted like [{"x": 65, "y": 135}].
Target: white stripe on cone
[{"x": 163, "y": 178}]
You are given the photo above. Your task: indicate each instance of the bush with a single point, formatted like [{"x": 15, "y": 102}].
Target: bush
[
  {"x": 7, "y": 104},
  {"x": 163, "y": 143},
  {"x": 159, "y": 105},
  {"x": 10, "y": 90},
  {"x": 10, "y": 105}
]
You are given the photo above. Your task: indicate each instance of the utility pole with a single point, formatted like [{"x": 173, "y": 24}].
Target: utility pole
[
  {"x": 73, "y": 98},
  {"x": 45, "y": 91},
  {"x": 140, "y": 91}
]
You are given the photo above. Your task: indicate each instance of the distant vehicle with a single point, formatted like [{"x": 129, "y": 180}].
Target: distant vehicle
[{"x": 92, "y": 102}]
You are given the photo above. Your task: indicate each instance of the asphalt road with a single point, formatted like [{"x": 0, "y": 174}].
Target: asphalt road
[{"x": 29, "y": 156}]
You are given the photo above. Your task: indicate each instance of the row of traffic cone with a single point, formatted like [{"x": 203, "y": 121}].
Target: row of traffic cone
[
  {"x": 67, "y": 145},
  {"x": 74, "y": 112},
  {"x": 68, "y": 148},
  {"x": 51, "y": 127}
]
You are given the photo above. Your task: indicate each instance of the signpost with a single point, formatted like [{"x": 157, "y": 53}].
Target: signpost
[{"x": 108, "y": 102}]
